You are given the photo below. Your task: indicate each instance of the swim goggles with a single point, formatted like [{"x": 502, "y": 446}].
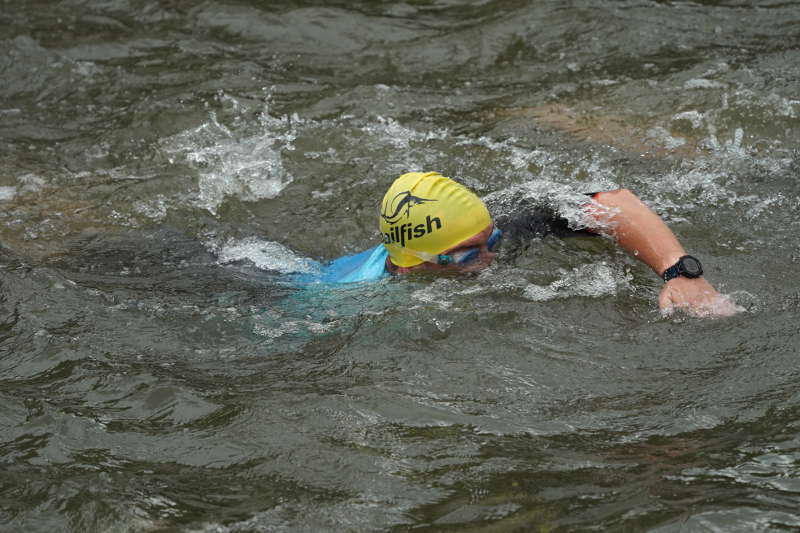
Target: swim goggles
[{"x": 462, "y": 257}]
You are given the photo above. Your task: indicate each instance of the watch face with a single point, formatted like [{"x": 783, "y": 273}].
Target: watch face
[{"x": 690, "y": 267}]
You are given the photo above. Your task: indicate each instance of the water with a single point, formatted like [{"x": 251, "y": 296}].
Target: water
[{"x": 164, "y": 166}]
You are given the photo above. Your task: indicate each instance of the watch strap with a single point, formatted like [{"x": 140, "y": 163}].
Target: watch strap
[
  {"x": 671, "y": 272},
  {"x": 679, "y": 269}
]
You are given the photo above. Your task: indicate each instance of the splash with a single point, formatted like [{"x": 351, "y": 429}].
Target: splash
[
  {"x": 399, "y": 136},
  {"x": 561, "y": 198},
  {"x": 241, "y": 161}
]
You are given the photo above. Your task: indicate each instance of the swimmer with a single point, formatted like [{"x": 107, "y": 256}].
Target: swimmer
[{"x": 431, "y": 223}]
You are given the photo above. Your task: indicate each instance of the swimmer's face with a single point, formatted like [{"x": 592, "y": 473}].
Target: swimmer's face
[{"x": 479, "y": 242}]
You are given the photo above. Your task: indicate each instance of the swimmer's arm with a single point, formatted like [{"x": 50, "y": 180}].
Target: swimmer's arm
[{"x": 642, "y": 233}]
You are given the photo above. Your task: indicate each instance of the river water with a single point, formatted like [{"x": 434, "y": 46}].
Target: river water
[{"x": 164, "y": 165}]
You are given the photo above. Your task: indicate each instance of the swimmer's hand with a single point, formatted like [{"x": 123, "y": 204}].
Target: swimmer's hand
[{"x": 695, "y": 297}]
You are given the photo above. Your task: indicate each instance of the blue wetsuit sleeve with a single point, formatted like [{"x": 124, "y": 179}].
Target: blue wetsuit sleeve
[{"x": 369, "y": 265}]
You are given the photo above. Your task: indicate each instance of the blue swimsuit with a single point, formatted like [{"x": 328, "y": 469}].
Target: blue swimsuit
[{"x": 369, "y": 265}]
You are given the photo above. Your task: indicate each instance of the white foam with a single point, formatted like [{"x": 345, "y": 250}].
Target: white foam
[
  {"x": 7, "y": 193},
  {"x": 287, "y": 327},
  {"x": 30, "y": 183},
  {"x": 700, "y": 83},
  {"x": 399, "y": 136},
  {"x": 267, "y": 255},
  {"x": 592, "y": 280},
  {"x": 705, "y": 179},
  {"x": 694, "y": 117},
  {"x": 433, "y": 294},
  {"x": 86, "y": 68},
  {"x": 155, "y": 209}
]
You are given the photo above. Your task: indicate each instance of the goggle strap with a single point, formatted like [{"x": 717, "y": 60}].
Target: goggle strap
[
  {"x": 430, "y": 258},
  {"x": 494, "y": 238},
  {"x": 442, "y": 259}
]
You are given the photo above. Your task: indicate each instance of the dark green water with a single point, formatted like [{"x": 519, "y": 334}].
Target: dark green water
[{"x": 164, "y": 164}]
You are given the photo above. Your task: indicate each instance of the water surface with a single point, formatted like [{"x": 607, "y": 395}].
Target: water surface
[{"x": 163, "y": 166}]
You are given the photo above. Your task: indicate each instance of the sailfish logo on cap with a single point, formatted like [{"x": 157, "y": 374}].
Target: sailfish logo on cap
[
  {"x": 393, "y": 211},
  {"x": 403, "y": 200}
]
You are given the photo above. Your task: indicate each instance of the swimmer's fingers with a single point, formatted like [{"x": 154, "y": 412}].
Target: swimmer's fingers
[
  {"x": 665, "y": 302},
  {"x": 695, "y": 297}
]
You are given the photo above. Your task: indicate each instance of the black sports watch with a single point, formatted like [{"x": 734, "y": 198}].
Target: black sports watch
[{"x": 686, "y": 266}]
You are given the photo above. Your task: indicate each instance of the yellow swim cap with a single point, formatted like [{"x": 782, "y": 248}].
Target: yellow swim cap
[{"x": 428, "y": 213}]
